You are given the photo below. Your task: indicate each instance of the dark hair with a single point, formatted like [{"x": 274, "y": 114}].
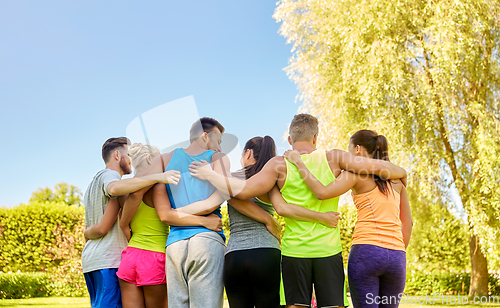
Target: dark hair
[
  {"x": 376, "y": 146},
  {"x": 263, "y": 150},
  {"x": 111, "y": 145},
  {"x": 303, "y": 127},
  {"x": 206, "y": 125}
]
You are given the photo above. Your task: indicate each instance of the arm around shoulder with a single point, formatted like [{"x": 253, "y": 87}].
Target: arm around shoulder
[
  {"x": 364, "y": 165},
  {"x": 109, "y": 217}
]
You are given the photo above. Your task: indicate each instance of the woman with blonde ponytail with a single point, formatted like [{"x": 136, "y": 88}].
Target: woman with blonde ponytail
[
  {"x": 142, "y": 269},
  {"x": 142, "y": 155}
]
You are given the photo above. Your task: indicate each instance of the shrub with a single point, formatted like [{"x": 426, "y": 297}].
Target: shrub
[
  {"x": 29, "y": 235},
  {"x": 494, "y": 284},
  {"x": 419, "y": 283},
  {"x": 25, "y": 285},
  {"x": 47, "y": 237},
  {"x": 68, "y": 279}
]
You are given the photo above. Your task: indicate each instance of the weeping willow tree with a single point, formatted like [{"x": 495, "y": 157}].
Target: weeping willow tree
[{"x": 426, "y": 75}]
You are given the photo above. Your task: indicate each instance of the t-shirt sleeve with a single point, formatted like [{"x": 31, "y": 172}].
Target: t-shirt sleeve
[{"x": 108, "y": 177}]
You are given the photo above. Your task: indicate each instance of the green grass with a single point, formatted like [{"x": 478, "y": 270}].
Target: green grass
[
  {"x": 83, "y": 302},
  {"x": 46, "y": 302}
]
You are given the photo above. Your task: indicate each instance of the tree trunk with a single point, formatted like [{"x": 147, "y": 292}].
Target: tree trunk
[{"x": 479, "y": 269}]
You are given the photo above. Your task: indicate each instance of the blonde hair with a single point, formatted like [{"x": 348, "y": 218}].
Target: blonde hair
[
  {"x": 303, "y": 127},
  {"x": 139, "y": 151}
]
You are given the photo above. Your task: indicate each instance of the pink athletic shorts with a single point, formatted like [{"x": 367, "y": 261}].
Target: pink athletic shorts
[{"x": 142, "y": 267}]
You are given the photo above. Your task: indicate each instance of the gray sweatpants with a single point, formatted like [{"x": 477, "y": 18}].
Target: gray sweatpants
[{"x": 194, "y": 272}]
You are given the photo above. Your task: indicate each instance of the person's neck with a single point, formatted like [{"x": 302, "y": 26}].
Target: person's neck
[
  {"x": 115, "y": 167},
  {"x": 195, "y": 148},
  {"x": 304, "y": 147},
  {"x": 140, "y": 172}
]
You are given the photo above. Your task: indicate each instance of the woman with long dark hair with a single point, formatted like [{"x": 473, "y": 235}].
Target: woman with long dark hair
[
  {"x": 253, "y": 255},
  {"x": 377, "y": 260}
]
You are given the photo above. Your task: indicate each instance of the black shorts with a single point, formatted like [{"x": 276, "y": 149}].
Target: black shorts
[
  {"x": 252, "y": 278},
  {"x": 327, "y": 275}
]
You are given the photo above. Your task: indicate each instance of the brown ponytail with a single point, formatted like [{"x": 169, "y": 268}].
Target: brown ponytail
[
  {"x": 263, "y": 150},
  {"x": 376, "y": 146}
]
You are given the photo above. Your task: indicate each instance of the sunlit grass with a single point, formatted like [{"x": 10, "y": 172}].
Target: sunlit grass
[
  {"x": 46, "y": 302},
  {"x": 83, "y": 302}
]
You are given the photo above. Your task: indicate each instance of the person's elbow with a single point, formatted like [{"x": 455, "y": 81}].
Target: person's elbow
[
  {"x": 393, "y": 172},
  {"x": 402, "y": 172},
  {"x": 280, "y": 209},
  {"x": 408, "y": 225},
  {"x": 205, "y": 212},
  {"x": 100, "y": 231},
  {"x": 242, "y": 195},
  {"x": 123, "y": 224},
  {"x": 113, "y": 189},
  {"x": 320, "y": 195},
  {"x": 165, "y": 217}
]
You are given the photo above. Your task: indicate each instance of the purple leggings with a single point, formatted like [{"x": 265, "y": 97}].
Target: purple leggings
[{"x": 376, "y": 276}]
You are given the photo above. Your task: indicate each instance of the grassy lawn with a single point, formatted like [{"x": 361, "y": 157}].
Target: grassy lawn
[
  {"x": 46, "y": 302},
  {"x": 82, "y": 302}
]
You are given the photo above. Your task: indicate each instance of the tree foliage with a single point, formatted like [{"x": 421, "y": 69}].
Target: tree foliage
[
  {"x": 439, "y": 239},
  {"x": 423, "y": 73},
  {"x": 62, "y": 193},
  {"x": 426, "y": 74}
]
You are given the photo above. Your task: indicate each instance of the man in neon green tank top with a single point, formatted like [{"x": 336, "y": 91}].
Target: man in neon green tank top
[{"x": 312, "y": 253}]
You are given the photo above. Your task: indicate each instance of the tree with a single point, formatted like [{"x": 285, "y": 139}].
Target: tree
[
  {"x": 62, "y": 192},
  {"x": 426, "y": 75}
]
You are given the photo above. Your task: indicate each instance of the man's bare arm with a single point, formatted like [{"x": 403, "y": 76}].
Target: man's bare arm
[
  {"x": 104, "y": 225},
  {"x": 294, "y": 211},
  {"x": 175, "y": 218},
  {"x": 127, "y": 186},
  {"x": 252, "y": 210},
  {"x": 204, "y": 207}
]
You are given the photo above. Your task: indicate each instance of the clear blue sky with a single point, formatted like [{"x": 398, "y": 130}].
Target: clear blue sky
[{"x": 76, "y": 73}]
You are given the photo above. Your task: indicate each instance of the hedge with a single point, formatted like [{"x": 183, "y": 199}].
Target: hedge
[
  {"x": 46, "y": 238},
  {"x": 25, "y": 285},
  {"x": 418, "y": 283}
]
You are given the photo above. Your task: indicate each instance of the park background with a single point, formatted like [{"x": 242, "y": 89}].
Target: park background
[{"x": 424, "y": 74}]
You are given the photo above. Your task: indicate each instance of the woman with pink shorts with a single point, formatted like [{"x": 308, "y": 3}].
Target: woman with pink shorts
[{"x": 142, "y": 269}]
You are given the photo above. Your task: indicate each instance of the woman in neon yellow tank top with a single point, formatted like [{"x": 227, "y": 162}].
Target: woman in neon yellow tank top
[
  {"x": 142, "y": 268},
  {"x": 377, "y": 260}
]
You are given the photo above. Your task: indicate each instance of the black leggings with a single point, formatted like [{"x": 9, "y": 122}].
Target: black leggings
[{"x": 252, "y": 278}]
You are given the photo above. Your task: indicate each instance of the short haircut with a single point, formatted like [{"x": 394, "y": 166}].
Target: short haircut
[
  {"x": 111, "y": 145},
  {"x": 303, "y": 127},
  {"x": 206, "y": 125}
]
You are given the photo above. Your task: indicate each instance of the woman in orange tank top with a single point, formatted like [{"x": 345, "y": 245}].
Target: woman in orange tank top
[{"x": 377, "y": 260}]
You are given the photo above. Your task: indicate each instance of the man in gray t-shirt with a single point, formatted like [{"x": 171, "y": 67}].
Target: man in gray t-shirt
[
  {"x": 105, "y": 251},
  {"x": 102, "y": 253}
]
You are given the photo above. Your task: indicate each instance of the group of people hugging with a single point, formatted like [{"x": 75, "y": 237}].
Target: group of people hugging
[{"x": 156, "y": 240}]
